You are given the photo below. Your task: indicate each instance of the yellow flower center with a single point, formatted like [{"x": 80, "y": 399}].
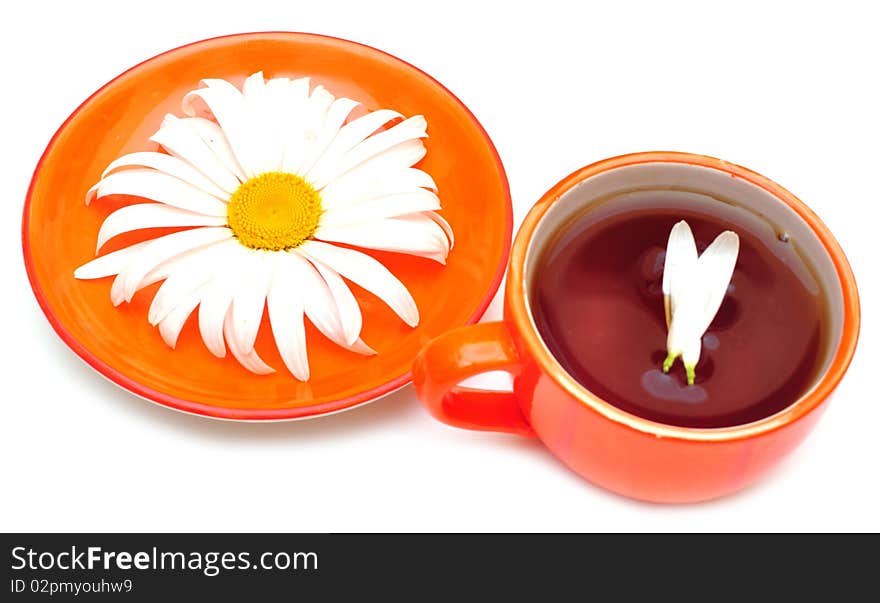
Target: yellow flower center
[{"x": 274, "y": 211}]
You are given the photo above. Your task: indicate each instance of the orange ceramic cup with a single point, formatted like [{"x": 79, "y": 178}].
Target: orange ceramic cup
[{"x": 612, "y": 448}]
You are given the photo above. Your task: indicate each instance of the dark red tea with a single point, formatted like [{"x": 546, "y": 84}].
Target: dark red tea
[{"x": 598, "y": 304}]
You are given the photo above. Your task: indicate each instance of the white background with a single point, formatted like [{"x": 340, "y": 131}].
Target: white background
[{"x": 789, "y": 90}]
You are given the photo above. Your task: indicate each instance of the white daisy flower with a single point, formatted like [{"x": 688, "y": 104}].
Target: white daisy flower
[
  {"x": 693, "y": 289},
  {"x": 268, "y": 179}
]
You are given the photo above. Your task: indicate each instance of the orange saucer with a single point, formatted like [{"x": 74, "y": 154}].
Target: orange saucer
[{"x": 59, "y": 230}]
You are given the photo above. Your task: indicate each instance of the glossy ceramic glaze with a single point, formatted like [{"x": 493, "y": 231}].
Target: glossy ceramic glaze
[
  {"x": 619, "y": 451},
  {"x": 59, "y": 231}
]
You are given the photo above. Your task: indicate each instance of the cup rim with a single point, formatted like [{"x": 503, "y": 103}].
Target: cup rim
[{"x": 520, "y": 314}]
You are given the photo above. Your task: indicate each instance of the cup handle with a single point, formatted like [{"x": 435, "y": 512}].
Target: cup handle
[{"x": 462, "y": 353}]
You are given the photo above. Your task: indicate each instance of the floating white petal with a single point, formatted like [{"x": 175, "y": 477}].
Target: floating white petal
[
  {"x": 681, "y": 257},
  {"x": 694, "y": 288},
  {"x": 715, "y": 269}
]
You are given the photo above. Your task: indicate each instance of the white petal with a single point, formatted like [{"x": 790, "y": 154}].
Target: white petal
[
  {"x": 261, "y": 118},
  {"x": 690, "y": 354},
  {"x": 433, "y": 230},
  {"x": 441, "y": 221},
  {"x": 293, "y": 123},
  {"x": 286, "y": 318},
  {"x": 185, "y": 139},
  {"x": 249, "y": 299},
  {"x": 224, "y": 95},
  {"x": 249, "y": 360},
  {"x": 173, "y": 323},
  {"x": 165, "y": 248},
  {"x": 276, "y": 84},
  {"x": 336, "y": 115},
  {"x": 186, "y": 278},
  {"x": 365, "y": 272},
  {"x": 365, "y": 182},
  {"x": 401, "y": 156},
  {"x": 681, "y": 341},
  {"x": 117, "y": 290},
  {"x": 159, "y": 273},
  {"x": 151, "y": 215},
  {"x": 168, "y": 267},
  {"x": 278, "y": 98},
  {"x": 681, "y": 258},
  {"x": 415, "y": 235},
  {"x": 408, "y": 130},
  {"x": 214, "y": 138},
  {"x": 111, "y": 263},
  {"x": 303, "y": 136},
  {"x": 715, "y": 269},
  {"x": 319, "y": 303},
  {"x": 216, "y": 300},
  {"x": 698, "y": 294},
  {"x": 254, "y": 86},
  {"x": 681, "y": 254},
  {"x": 352, "y": 134},
  {"x": 299, "y": 89},
  {"x": 226, "y": 104},
  {"x": 156, "y": 186},
  {"x": 406, "y": 154},
  {"x": 346, "y": 305},
  {"x": 268, "y": 112},
  {"x": 383, "y": 207},
  {"x": 357, "y": 130},
  {"x": 170, "y": 165},
  {"x": 695, "y": 288},
  {"x": 361, "y": 347}
]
